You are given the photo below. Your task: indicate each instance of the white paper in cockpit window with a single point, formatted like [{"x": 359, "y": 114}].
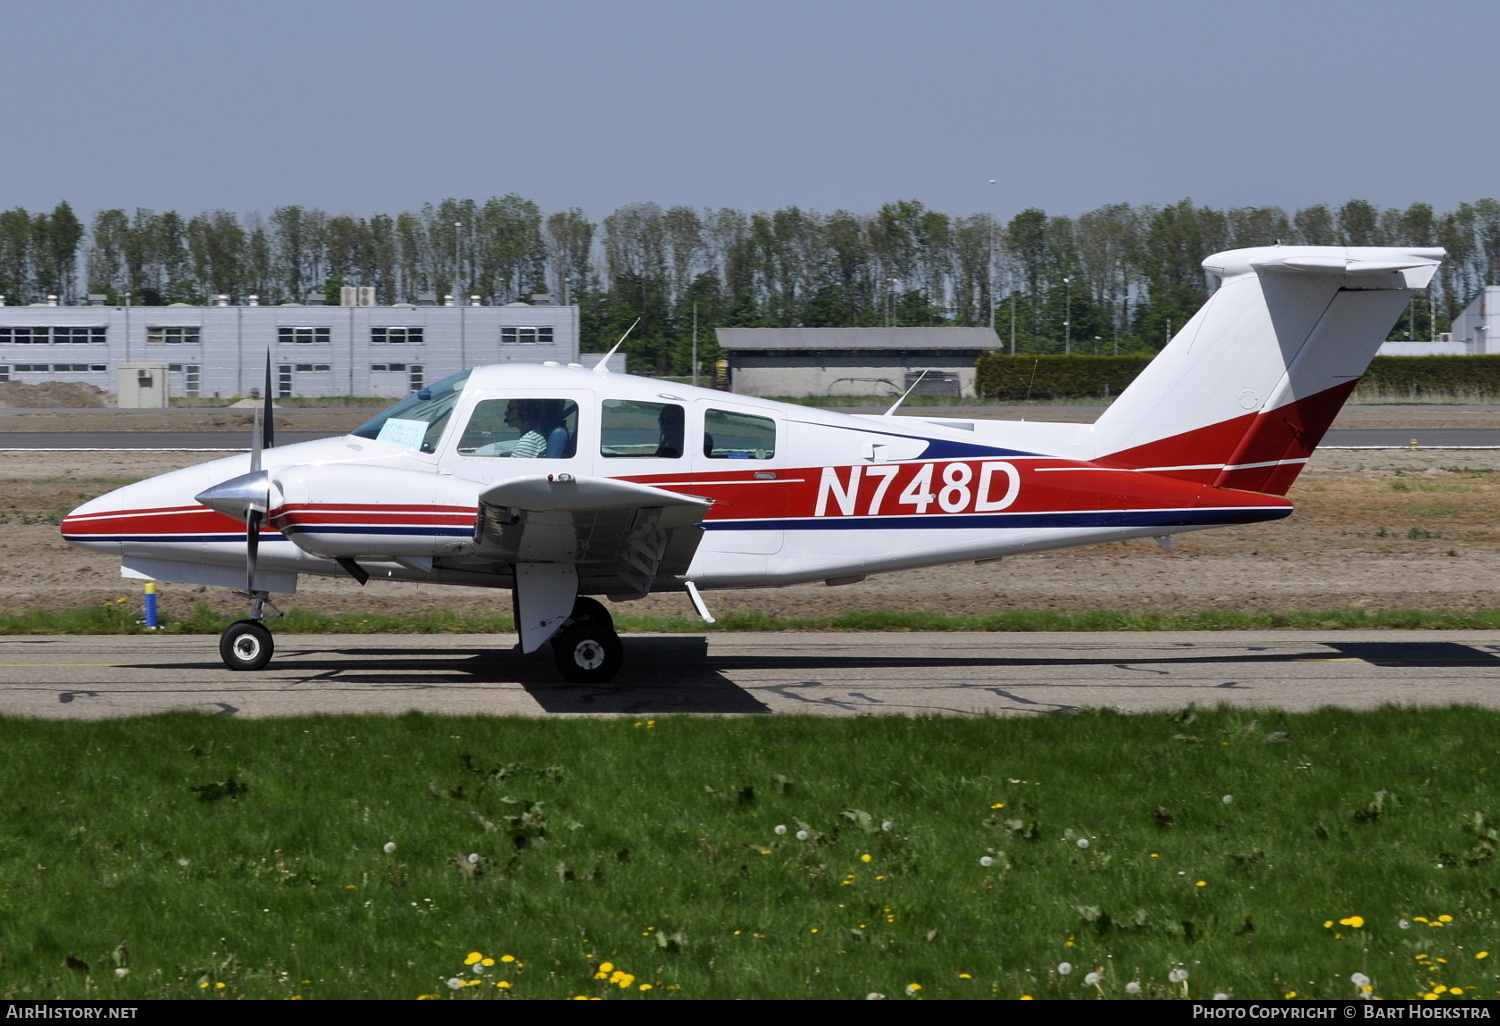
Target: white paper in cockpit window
[{"x": 406, "y": 433}]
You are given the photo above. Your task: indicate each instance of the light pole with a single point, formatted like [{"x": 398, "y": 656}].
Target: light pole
[
  {"x": 1067, "y": 315},
  {"x": 457, "y": 260},
  {"x": 991, "y": 270}
]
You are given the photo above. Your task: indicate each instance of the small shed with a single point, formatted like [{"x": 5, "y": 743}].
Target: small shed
[{"x": 853, "y": 361}]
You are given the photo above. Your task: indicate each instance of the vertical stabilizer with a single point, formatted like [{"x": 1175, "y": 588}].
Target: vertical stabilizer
[{"x": 1243, "y": 394}]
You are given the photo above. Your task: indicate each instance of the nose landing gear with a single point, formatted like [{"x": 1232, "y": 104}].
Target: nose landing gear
[{"x": 246, "y": 644}]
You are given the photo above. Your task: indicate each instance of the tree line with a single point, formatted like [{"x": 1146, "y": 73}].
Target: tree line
[{"x": 1118, "y": 279}]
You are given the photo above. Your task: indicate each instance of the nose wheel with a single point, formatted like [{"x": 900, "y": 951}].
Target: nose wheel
[{"x": 246, "y": 645}]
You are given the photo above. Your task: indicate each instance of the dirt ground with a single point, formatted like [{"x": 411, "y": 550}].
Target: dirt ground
[{"x": 1379, "y": 530}]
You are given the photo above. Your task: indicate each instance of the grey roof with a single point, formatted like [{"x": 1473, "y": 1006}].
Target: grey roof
[{"x": 855, "y": 339}]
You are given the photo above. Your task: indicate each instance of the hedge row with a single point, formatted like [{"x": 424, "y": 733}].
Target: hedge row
[{"x": 999, "y": 376}]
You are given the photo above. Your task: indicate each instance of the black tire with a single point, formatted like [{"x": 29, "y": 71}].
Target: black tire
[
  {"x": 246, "y": 645},
  {"x": 591, "y": 611},
  {"x": 588, "y": 654}
]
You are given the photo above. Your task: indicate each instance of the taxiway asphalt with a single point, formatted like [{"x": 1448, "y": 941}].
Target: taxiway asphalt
[{"x": 965, "y": 674}]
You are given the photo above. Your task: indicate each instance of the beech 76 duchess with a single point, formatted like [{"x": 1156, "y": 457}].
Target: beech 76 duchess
[{"x": 561, "y": 483}]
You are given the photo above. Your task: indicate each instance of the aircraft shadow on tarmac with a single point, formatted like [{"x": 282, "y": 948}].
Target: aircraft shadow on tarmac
[{"x": 678, "y": 674}]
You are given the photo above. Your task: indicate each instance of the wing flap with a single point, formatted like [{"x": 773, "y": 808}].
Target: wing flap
[{"x": 619, "y": 535}]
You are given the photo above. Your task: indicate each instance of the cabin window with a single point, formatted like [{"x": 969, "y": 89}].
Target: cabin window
[
  {"x": 636, "y": 430},
  {"x": 522, "y": 429},
  {"x": 738, "y": 436},
  {"x": 417, "y": 422}
]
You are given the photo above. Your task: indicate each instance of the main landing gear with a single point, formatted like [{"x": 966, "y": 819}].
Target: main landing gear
[
  {"x": 247, "y": 644},
  {"x": 587, "y": 650}
]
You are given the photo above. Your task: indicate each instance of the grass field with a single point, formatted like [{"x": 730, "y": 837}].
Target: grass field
[
  {"x": 1260, "y": 855},
  {"x": 124, "y": 617}
]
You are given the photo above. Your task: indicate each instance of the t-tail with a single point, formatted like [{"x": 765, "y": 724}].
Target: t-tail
[{"x": 1245, "y": 391}]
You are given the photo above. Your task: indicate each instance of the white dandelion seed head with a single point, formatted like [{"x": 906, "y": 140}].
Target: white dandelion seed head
[
  {"x": 1221, "y": 996},
  {"x": 874, "y": 995},
  {"x": 121, "y": 973},
  {"x": 801, "y": 835},
  {"x": 454, "y": 983},
  {"x": 911, "y": 989},
  {"x": 1359, "y": 980},
  {"x": 1227, "y": 799},
  {"x": 886, "y": 826},
  {"x": 1091, "y": 979},
  {"x": 1405, "y": 924},
  {"x": 473, "y": 858},
  {"x": 986, "y": 861},
  {"x": 390, "y": 847},
  {"x": 1083, "y": 842},
  {"x": 1064, "y": 968},
  {"x": 1177, "y": 975},
  {"x": 182, "y": 862},
  {"x": 1133, "y": 987},
  {"x": 780, "y": 829}
]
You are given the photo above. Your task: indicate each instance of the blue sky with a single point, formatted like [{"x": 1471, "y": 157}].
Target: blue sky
[{"x": 380, "y": 106}]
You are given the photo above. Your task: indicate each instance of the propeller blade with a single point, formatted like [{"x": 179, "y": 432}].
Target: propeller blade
[
  {"x": 252, "y": 546},
  {"x": 255, "y": 444},
  {"x": 268, "y": 439}
]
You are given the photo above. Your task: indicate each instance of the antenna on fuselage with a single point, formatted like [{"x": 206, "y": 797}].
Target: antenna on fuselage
[
  {"x": 602, "y": 367},
  {"x": 891, "y": 412}
]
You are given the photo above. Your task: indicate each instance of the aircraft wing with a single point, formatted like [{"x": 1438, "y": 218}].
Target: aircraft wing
[{"x": 618, "y": 536}]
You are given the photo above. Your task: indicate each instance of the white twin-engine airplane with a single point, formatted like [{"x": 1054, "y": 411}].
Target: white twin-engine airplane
[{"x": 561, "y": 483}]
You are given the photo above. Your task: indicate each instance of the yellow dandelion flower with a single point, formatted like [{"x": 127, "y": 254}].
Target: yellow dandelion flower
[
  {"x": 1445, "y": 919},
  {"x": 1443, "y": 960},
  {"x": 1154, "y": 855},
  {"x": 1201, "y": 883},
  {"x": 913, "y": 988},
  {"x": 503, "y": 985},
  {"x": 473, "y": 957},
  {"x": 1429, "y": 997},
  {"x": 486, "y": 961},
  {"x": 1328, "y": 924},
  {"x": 645, "y": 986},
  {"x": 865, "y": 857},
  {"x": 964, "y": 976},
  {"x": 1482, "y": 954},
  {"x": 203, "y": 985},
  {"x": 507, "y": 958},
  {"x": 1354, "y": 921},
  {"x": 1291, "y": 994},
  {"x": 220, "y": 985},
  {"x": 1440, "y": 989},
  {"x": 606, "y": 967},
  {"x": 1455, "y": 990},
  {"x": 998, "y": 805},
  {"x": 813, "y": 930},
  {"x": 1419, "y": 919},
  {"x": 1025, "y": 997}
]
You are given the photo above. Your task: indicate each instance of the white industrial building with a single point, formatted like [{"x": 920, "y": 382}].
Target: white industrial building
[
  {"x": 1477, "y": 329},
  {"x": 316, "y": 350},
  {"x": 854, "y": 361}
]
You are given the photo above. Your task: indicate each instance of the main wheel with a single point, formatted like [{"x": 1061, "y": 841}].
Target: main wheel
[
  {"x": 592, "y": 610},
  {"x": 246, "y": 645},
  {"x": 588, "y": 654}
]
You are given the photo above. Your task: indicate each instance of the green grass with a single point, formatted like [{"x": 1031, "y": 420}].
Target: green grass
[
  {"x": 199, "y": 851},
  {"x": 124, "y": 617}
]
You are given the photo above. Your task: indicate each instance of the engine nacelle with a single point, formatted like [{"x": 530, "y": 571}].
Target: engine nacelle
[{"x": 342, "y": 510}]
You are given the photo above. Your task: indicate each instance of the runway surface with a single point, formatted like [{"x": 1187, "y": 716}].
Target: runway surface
[
  {"x": 1384, "y": 438},
  {"x": 95, "y": 677}
]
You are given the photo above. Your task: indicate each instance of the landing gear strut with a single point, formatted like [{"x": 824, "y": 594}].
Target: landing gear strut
[
  {"x": 247, "y": 644},
  {"x": 587, "y": 650}
]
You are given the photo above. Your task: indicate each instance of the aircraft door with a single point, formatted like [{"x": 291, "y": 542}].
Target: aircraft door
[{"x": 735, "y": 459}]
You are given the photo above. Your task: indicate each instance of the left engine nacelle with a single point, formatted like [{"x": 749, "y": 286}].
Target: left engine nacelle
[{"x": 350, "y": 511}]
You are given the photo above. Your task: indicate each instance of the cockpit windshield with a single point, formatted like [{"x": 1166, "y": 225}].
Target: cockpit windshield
[{"x": 417, "y": 422}]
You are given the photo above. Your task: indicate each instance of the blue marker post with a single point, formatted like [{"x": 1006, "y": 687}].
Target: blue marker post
[{"x": 151, "y": 606}]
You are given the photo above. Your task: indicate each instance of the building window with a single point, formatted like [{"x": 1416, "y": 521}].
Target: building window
[
  {"x": 190, "y": 377},
  {"x": 41, "y": 335},
  {"x": 174, "y": 334},
  {"x": 526, "y": 336},
  {"x": 417, "y": 378},
  {"x": 4, "y": 373},
  {"x": 55, "y": 368},
  {"x": 397, "y": 336},
  {"x": 283, "y": 380},
  {"x": 388, "y": 367},
  {"x": 304, "y": 336}
]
